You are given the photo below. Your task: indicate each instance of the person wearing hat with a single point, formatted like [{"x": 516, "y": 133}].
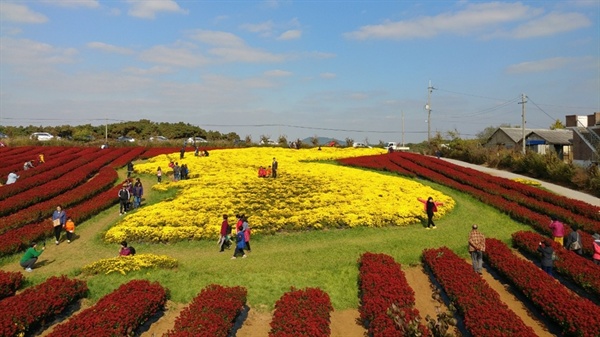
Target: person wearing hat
[
  {"x": 31, "y": 257},
  {"x": 476, "y": 248},
  {"x": 596, "y": 245}
]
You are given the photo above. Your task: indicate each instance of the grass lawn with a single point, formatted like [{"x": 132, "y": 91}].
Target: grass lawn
[{"x": 325, "y": 259}]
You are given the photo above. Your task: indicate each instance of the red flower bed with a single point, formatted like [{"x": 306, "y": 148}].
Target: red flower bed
[
  {"x": 18, "y": 239},
  {"x": 302, "y": 312},
  {"x": 43, "y": 173},
  {"x": 118, "y": 313},
  {"x": 22, "y": 313},
  {"x": 484, "y": 313},
  {"x": 13, "y": 162},
  {"x": 211, "y": 313},
  {"x": 574, "y": 314},
  {"x": 579, "y": 269},
  {"x": 378, "y": 162},
  {"x": 9, "y": 283},
  {"x": 381, "y": 284}
]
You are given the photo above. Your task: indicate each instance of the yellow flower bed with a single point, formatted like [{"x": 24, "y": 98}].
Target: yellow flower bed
[
  {"x": 527, "y": 182},
  {"x": 125, "y": 264},
  {"x": 307, "y": 194}
]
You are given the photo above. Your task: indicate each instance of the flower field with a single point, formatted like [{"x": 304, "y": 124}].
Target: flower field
[
  {"x": 307, "y": 194},
  {"x": 312, "y": 192}
]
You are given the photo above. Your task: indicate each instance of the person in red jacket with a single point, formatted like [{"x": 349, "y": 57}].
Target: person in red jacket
[
  {"x": 225, "y": 232},
  {"x": 430, "y": 208}
]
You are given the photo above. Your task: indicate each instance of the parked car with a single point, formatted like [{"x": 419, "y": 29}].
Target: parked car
[
  {"x": 359, "y": 144},
  {"x": 158, "y": 139},
  {"x": 125, "y": 139},
  {"x": 193, "y": 140},
  {"x": 41, "y": 136},
  {"x": 268, "y": 142}
]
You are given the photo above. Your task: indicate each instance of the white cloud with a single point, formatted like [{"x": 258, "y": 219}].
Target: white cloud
[
  {"x": 475, "y": 18},
  {"x": 327, "y": 76},
  {"x": 13, "y": 12},
  {"x": 551, "y": 64},
  {"x": 290, "y": 35},
  {"x": 175, "y": 56},
  {"x": 30, "y": 54},
  {"x": 74, "y": 3},
  {"x": 277, "y": 73},
  {"x": 217, "y": 38},
  {"x": 148, "y": 9},
  {"x": 246, "y": 54},
  {"x": 263, "y": 27},
  {"x": 150, "y": 71},
  {"x": 551, "y": 24},
  {"x": 109, "y": 48}
]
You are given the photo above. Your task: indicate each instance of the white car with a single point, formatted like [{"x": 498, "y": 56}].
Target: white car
[
  {"x": 41, "y": 136},
  {"x": 193, "y": 140},
  {"x": 359, "y": 144},
  {"x": 268, "y": 142}
]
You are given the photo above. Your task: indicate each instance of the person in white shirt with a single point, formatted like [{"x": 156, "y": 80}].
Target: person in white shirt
[{"x": 12, "y": 178}]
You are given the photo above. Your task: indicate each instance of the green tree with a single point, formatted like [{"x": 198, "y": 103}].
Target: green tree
[{"x": 557, "y": 125}]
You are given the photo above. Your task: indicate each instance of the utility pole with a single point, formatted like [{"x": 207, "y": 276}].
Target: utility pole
[
  {"x": 428, "y": 108},
  {"x": 523, "y": 101}
]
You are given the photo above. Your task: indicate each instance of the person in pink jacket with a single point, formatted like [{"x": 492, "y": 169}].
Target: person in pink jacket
[
  {"x": 558, "y": 230},
  {"x": 596, "y": 245}
]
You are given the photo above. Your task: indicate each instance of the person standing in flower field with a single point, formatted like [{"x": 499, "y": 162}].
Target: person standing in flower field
[
  {"x": 159, "y": 175},
  {"x": 430, "y": 208},
  {"x": 573, "y": 242},
  {"x": 547, "y": 262},
  {"x": 596, "y": 245},
  {"x": 274, "y": 167},
  {"x": 476, "y": 249},
  {"x": 123, "y": 199},
  {"x": 59, "y": 218},
  {"x": 558, "y": 230}
]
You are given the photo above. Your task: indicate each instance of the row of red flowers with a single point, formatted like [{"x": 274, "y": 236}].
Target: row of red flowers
[
  {"x": 483, "y": 312},
  {"x": 9, "y": 283},
  {"x": 444, "y": 175},
  {"x": 382, "y": 283},
  {"x": 25, "y": 311},
  {"x": 18, "y": 239},
  {"x": 119, "y": 313},
  {"x": 580, "y": 270},
  {"x": 42, "y": 173},
  {"x": 211, "y": 313},
  {"x": 302, "y": 312},
  {"x": 72, "y": 174},
  {"x": 378, "y": 162},
  {"x": 575, "y": 315},
  {"x": 512, "y": 191},
  {"x": 12, "y": 161}
]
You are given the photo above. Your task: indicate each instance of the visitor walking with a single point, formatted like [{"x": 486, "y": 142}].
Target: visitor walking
[
  {"x": 129, "y": 169},
  {"x": 70, "y": 229},
  {"x": 558, "y": 230},
  {"x": 138, "y": 192},
  {"x": 476, "y": 248},
  {"x": 239, "y": 246},
  {"x": 573, "y": 242},
  {"x": 30, "y": 257},
  {"x": 430, "y": 207},
  {"x": 225, "y": 231},
  {"x": 59, "y": 218},
  {"x": 123, "y": 199},
  {"x": 547, "y": 262},
  {"x": 246, "y": 231}
]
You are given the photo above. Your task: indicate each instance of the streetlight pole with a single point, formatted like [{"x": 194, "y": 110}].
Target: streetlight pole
[
  {"x": 428, "y": 108},
  {"x": 523, "y": 101}
]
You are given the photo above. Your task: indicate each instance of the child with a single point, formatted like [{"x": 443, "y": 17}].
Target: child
[
  {"x": 70, "y": 229},
  {"x": 239, "y": 246},
  {"x": 159, "y": 175}
]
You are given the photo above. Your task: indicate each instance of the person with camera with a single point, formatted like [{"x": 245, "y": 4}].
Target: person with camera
[
  {"x": 30, "y": 257},
  {"x": 545, "y": 247}
]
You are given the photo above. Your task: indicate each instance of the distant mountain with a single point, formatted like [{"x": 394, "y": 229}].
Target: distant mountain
[{"x": 323, "y": 140}]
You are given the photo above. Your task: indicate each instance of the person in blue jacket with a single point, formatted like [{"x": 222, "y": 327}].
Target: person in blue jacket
[{"x": 240, "y": 245}]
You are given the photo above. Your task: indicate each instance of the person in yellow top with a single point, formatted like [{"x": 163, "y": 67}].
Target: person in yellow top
[
  {"x": 70, "y": 229},
  {"x": 41, "y": 157}
]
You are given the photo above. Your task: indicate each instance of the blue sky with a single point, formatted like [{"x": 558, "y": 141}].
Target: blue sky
[{"x": 343, "y": 69}]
